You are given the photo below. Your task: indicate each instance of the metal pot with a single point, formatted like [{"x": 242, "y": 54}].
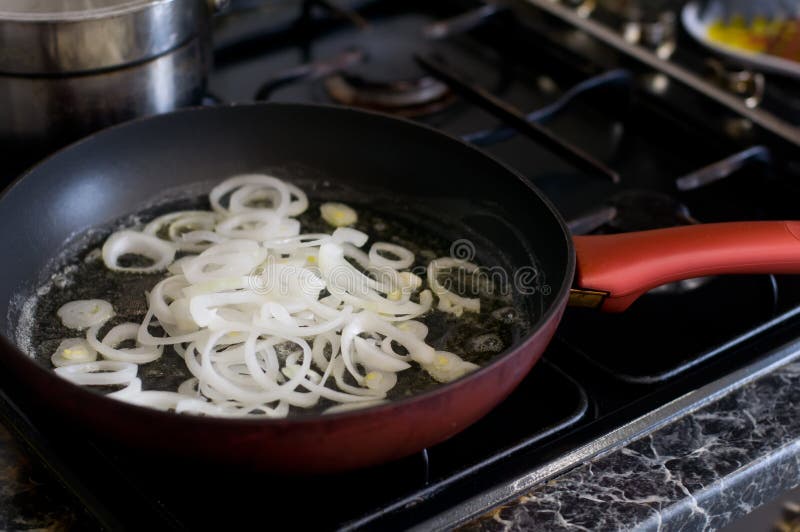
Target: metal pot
[{"x": 71, "y": 67}]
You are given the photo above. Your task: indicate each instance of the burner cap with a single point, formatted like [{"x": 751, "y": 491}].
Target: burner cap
[
  {"x": 390, "y": 79},
  {"x": 410, "y": 98}
]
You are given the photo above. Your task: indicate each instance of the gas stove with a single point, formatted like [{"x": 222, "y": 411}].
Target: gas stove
[{"x": 631, "y": 125}]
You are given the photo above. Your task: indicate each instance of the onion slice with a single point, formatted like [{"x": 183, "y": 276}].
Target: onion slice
[
  {"x": 405, "y": 258},
  {"x": 447, "y": 367},
  {"x": 125, "y": 331},
  {"x": 338, "y": 214},
  {"x": 99, "y": 373},
  {"x": 85, "y": 313},
  {"x": 73, "y": 351},
  {"x": 449, "y": 301},
  {"x": 128, "y": 242}
]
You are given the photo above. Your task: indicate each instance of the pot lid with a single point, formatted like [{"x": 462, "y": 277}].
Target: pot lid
[{"x": 69, "y": 36}]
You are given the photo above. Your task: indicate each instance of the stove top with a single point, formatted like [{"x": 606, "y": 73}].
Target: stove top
[{"x": 633, "y": 144}]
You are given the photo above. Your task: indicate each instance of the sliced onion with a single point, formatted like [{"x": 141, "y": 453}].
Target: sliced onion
[
  {"x": 133, "y": 243},
  {"x": 368, "y": 322},
  {"x": 179, "y": 223},
  {"x": 143, "y": 336},
  {"x": 245, "y": 197},
  {"x": 234, "y": 258},
  {"x": 448, "y": 301},
  {"x": 417, "y": 328},
  {"x": 318, "y": 350},
  {"x": 133, "y": 387},
  {"x": 338, "y": 214},
  {"x": 163, "y": 294},
  {"x": 125, "y": 331},
  {"x": 360, "y": 392},
  {"x": 447, "y": 367},
  {"x": 299, "y": 202},
  {"x": 189, "y": 387},
  {"x": 345, "y": 235},
  {"x": 257, "y": 182},
  {"x": 404, "y": 257},
  {"x": 99, "y": 373},
  {"x": 253, "y": 225},
  {"x": 296, "y": 242},
  {"x": 199, "y": 239},
  {"x": 344, "y": 277},
  {"x": 73, "y": 351},
  {"x": 380, "y": 381},
  {"x": 84, "y": 313},
  {"x": 372, "y": 357},
  {"x": 157, "y": 399},
  {"x": 176, "y": 268}
]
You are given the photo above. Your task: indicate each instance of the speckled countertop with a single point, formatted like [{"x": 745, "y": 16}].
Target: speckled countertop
[{"x": 698, "y": 472}]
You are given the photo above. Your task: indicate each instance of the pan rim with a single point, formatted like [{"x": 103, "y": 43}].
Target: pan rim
[{"x": 547, "y": 317}]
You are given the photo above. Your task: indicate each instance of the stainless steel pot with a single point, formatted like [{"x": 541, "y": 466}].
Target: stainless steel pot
[{"x": 70, "y": 67}]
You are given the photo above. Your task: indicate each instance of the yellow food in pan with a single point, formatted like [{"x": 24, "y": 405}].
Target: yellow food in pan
[{"x": 776, "y": 37}]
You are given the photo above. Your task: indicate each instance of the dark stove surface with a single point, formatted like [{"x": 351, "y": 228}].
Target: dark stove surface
[{"x": 601, "y": 371}]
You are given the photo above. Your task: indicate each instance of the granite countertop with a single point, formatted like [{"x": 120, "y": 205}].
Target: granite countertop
[
  {"x": 703, "y": 468},
  {"x": 700, "y": 471}
]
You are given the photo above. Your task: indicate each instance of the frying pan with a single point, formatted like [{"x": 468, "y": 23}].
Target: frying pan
[{"x": 120, "y": 169}]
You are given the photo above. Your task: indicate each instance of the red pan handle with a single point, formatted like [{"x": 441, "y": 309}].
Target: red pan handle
[{"x": 617, "y": 269}]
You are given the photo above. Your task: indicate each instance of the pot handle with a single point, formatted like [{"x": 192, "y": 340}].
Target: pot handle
[{"x": 614, "y": 270}]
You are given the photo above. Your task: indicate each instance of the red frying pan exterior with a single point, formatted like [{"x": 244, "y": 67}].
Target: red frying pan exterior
[
  {"x": 119, "y": 169},
  {"x": 71, "y": 191}
]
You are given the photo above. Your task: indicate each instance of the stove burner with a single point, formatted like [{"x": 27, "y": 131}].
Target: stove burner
[
  {"x": 409, "y": 98},
  {"x": 388, "y": 78}
]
